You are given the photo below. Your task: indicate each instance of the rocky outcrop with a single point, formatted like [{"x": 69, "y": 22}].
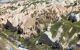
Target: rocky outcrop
[{"x": 31, "y": 19}]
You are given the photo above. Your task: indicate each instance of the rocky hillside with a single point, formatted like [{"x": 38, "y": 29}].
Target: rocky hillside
[{"x": 30, "y": 18}]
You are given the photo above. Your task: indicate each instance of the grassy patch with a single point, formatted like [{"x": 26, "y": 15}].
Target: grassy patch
[
  {"x": 55, "y": 27},
  {"x": 74, "y": 41}
]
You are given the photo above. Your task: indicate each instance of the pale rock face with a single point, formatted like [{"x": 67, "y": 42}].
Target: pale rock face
[
  {"x": 16, "y": 19},
  {"x": 65, "y": 2},
  {"x": 25, "y": 20},
  {"x": 70, "y": 1},
  {"x": 18, "y": 10},
  {"x": 42, "y": 27},
  {"x": 49, "y": 27},
  {"x": 78, "y": 17},
  {"x": 58, "y": 17},
  {"x": 5, "y": 17},
  {"x": 29, "y": 23}
]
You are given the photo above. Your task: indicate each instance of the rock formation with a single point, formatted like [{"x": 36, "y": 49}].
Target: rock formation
[{"x": 23, "y": 16}]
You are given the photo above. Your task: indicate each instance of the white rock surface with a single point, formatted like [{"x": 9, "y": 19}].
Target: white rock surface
[{"x": 78, "y": 17}]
